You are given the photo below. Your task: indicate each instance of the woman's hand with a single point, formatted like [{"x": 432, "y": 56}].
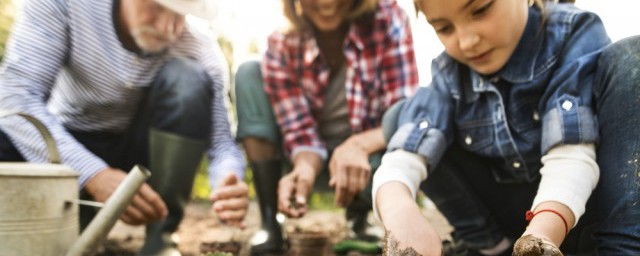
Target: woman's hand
[
  {"x": 230, "y": 200},
  {"x": 349, "y": 165},
  {"x": 294, "y": 189},
  {"x": 350, "y": 171}
]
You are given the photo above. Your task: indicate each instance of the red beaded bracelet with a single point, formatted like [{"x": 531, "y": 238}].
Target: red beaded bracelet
[{"x": 529, "y": 215}]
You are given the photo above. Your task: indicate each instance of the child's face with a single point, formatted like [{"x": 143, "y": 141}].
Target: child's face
[{"x": 479, "y": 33}]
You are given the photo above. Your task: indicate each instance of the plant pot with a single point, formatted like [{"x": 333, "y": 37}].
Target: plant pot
[
  {"x": 308, "y": 243},
  {"x": 220, "y": 248}
]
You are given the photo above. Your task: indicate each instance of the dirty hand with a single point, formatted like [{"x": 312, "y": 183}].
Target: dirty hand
[
  {"x": 350, "y": 172},
  {"x": 293, "y": 191},
  {"x": 530, "y": 245},
  {"x": 230, "y": 200},
  {"x": 408, "y": 231},
  {"x": 146, "y": 205}
]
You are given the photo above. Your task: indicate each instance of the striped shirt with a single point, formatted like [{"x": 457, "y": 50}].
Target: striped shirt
[{"x": 65, "y": 65}]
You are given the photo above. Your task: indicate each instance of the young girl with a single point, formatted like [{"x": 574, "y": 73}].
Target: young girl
[{"x": 518, "y": 109}]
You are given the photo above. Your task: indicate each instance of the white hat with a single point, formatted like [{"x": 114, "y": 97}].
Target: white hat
[{"x": 204, "y": 9}]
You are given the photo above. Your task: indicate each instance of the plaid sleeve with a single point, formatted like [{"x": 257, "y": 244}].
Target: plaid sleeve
[
  {"x": 400, "y": 74},
  {"x": 291, "y": 109}
]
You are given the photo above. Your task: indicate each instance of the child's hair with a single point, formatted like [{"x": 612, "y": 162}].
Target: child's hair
[
  {"x": 537, "y": 3},
  {"x": 297, "y": 22}
]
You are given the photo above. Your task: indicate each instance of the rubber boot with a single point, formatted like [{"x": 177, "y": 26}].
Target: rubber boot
[
  {"x": 356, "y": 214},
  {"x": 268, "y": 240},
  {"x": 173, "y": 161}
]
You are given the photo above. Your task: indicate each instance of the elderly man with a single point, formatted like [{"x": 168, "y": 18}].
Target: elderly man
[{"x": 118, "y": 83}]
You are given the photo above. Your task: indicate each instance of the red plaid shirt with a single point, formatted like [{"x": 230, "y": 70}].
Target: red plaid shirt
[{"x": 381, "y": 70}]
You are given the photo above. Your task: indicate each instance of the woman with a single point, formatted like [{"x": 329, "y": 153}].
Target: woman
[{"x": 323, "y": 87}]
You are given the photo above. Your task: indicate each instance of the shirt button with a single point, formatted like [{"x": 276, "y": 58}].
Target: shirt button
[
  {"x": 423, "y": 125},
  {"x": 567, "y": 105},
  {"x": 536, "y": 116},
  {"x": 468, "y": 140},
  {"x": 495, "y": 80},
  {"x": 516, "y": 164}
]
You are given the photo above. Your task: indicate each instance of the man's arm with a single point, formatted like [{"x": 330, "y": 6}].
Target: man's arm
[{"x": 36, "y": 51}]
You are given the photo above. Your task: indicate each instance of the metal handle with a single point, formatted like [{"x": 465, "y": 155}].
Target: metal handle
[
  {"x": 52, "y": 150},
  {"x": 99, "y": 227}
]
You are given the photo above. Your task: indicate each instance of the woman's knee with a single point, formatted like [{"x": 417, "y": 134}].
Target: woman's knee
[{"x": 255, "y": 114}]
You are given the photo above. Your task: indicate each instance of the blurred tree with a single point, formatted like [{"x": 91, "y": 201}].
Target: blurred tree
[{"x": 7, "y": 10}]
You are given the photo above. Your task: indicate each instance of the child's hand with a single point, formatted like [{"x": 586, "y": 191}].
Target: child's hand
[
  {"x": 530, "y": 245},
  {"x": 408, "y": 231}
]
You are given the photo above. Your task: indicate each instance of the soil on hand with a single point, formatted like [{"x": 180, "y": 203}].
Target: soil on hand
[{"x": 532, "y": 246}]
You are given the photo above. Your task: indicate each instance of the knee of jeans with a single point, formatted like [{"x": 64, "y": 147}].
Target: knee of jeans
[
  {"x": 248, "y": 78},
  {"x": 186, "y": 83},
  {"x": 617, "y": 65}
]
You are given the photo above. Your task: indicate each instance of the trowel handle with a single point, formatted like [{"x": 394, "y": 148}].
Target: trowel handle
[
  {"x": 52, "y": 149},
  {"x": 99, "y": 227}
]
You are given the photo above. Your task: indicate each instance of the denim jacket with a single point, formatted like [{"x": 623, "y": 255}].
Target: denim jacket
[{"x": 541, "y": 98}]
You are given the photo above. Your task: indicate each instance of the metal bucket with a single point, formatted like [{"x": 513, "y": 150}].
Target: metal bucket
[
  {"x": 38, "y": 209},
  {"x": 36, "y": 218}
]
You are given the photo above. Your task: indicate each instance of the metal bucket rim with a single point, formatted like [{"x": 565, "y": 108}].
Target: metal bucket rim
[{"x": 22, "y": 169}]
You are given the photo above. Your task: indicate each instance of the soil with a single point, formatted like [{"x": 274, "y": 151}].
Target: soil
[
  {"x": 532, "y": 246},
  {"x": 200, "y": 232}
]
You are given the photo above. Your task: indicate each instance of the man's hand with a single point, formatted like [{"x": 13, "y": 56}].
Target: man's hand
[
  {"x": 146, "y": 205},
  {"x": 230, "y": 200},
  {"x": 293, "y": 191},
  {"x": 350, "y": 171}
]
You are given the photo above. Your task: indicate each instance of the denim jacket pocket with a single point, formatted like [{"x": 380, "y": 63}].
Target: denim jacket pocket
[
  {"x": 477, "y": 136},
  {"x": 526, "y": 121}
]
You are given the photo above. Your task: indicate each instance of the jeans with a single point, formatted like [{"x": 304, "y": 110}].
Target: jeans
[
  {"x": 617, "y": 97},
  {"x": 178, "y": 101}
]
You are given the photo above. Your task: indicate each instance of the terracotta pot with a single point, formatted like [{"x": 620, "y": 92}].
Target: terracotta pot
[
  {"x": 308, "y": 243},
  {"x": 231, "y": 247}
]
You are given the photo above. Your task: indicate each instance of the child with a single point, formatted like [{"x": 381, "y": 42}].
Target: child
[{"x": 518, "y": 108}]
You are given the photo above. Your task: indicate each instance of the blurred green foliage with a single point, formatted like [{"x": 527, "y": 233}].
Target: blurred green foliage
[{"x": 7, "y": 10}]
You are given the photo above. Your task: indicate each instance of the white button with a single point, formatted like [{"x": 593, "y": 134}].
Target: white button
[
  {"x": 567, "y": 105},
  {"x": 516, "y": 164},
  {"x": 536, "y": 116},
  {"x": 423, "y": 125},
  {"x": 495, "y": 80},
  {"x": 468, "y": 140}
]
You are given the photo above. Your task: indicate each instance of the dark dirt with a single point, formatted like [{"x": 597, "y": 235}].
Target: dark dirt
[
  {"x": 532, "y": 246},
  {"x": 200, "y": 231},
  {"x": 391, "y": 247}
]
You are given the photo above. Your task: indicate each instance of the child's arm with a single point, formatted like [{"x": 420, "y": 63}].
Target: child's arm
[
  {"x": 407, "y": 229},
  {"x": 395, "y": 185},
  {"x": 569, "y": 175}
]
